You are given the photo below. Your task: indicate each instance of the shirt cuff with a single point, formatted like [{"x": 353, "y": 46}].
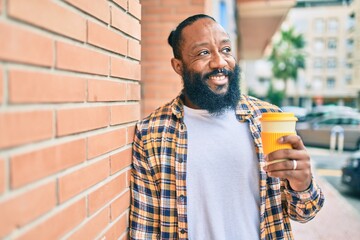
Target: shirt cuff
[{"x": 309, "y": 194}]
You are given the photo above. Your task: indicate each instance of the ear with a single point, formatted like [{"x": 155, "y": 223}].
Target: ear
[{"x": 177, "y": 65}]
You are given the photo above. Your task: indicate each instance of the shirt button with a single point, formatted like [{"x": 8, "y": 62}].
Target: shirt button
[
  {"x": 181, "y": 198},
  {"x": 182, "y": 127},
  {"x": 182, "y": 231},
  {"x": 181, "y": 160}
]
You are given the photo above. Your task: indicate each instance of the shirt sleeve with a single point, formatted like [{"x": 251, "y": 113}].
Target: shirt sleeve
[
  {"x": 303, "y": 206},
  {"x": 144, "y": 209}
]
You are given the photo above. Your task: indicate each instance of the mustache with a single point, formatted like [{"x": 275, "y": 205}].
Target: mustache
[{"x": 217, "y": 71}]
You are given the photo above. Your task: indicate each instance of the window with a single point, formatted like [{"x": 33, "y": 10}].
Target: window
[
  {"x": 319, "y": 25},
  {"x": 331, "y": 121},
  {"x": 348, "y": 79},
  {"x": 351, "y": 21},
  {"x": 350, "y": 45},
  {"x": 318, "y": 44},
  {"x": 332, "y": 43},
  {"x": 223, "y": 15},
  {"x": 330, "y": 83},
  {"x": 331, "y": 63},
  {"x": 333, "y": 25},
  {"x": 317, "y": 84},
  {"x": 318, "y": 63}
]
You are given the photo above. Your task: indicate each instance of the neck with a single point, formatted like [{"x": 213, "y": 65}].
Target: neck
[{"x": 189, "y": 104}]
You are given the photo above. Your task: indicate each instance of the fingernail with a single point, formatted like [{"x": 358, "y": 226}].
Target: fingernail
[{"x": 281, "y": 140}]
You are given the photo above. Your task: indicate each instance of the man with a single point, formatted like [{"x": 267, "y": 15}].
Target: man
[{"x": 199, "y": 171}]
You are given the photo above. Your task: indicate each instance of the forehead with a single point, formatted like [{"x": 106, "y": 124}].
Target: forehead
[{"x": 204, "y": 30}]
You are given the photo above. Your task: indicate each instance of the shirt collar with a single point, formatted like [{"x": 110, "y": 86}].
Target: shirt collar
[{"x": 244, "y": 109}]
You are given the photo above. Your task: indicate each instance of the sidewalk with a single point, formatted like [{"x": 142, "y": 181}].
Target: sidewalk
[{"x": 337, "y": 220}]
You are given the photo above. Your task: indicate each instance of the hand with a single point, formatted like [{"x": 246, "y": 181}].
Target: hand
[{"x": 300, "y": 178}]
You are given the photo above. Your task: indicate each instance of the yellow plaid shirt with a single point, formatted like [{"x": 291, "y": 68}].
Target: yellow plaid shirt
[{"x": 158, "y": 179}]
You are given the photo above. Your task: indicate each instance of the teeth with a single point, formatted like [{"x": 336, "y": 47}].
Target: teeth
[{"x": 217, "y": 77}]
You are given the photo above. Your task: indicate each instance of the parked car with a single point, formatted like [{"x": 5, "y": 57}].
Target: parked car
[
  {"x": 299, "y": 112},
  {"x": 324, "y": 110},
  {"x": 351, "y": 171},
  {"x": 317, "y": 131}
]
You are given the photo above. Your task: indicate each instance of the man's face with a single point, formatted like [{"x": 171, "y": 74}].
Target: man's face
[{"x": 207, "y": 64}]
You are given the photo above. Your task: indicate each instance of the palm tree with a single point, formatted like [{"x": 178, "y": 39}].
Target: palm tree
[{"x": 287, "y": 56}]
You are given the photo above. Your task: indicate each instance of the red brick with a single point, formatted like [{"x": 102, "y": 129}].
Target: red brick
[
  {"x": 3, "y": 175},
  {"x": 20, "y": 45},
  {"x": 125, "y": 69},
  {"x": 78, "y": 181},
  {"x": 130, "y": 134},
  {"x": 128, "y": 177},
  {"x": 122, "y": 3},
  {"x": 120, "y": 160},
  {"x": 106, "y": 193},
  {"x": 134, "y": 91},
  {"x": 97, "y": 8},
  {"x": 135, "y": 8},
  {"x": 75, "y": 120},
  {"x": 201, "y": 2},
  {"x": 1, "y": 85},
  {"x": 20, "y": 210},
  {"x": 120, "y": 205},
  {"x": 134, "y": 49},
  {"x": 103, "y": 91},
  {"x": 176, "y": 17},
  {"x": 106, "y": 38},
  {"x": 59, "y": 224},
  {"x": 124, "y": 113},
  {"x": 93, "y": 227},
  {"x": 49, "y": 15},
  {"x": 174, "y": 4},
  {"x": 80, "y": 59},
  {"x": 161, "y": 90},
  {"x": 118, "y": 229},
  {"x": 160, "y": 9},
  {"x": 125, "y": 23},
  {"x": 36, "y": 87},
  {"x": 106, "y": 142},
  {"x": 24, "y": 127},
  {"x": 184, "y": 12},
  {"x": 37, "y": 164}
]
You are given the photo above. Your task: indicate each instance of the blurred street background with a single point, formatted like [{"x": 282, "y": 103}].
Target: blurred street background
[{"x": 76, "y": 76}]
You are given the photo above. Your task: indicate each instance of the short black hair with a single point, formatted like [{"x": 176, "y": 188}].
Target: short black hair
[{"x": 174, "y": 38}]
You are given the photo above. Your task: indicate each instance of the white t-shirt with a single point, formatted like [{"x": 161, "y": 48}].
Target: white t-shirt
[{"x": 222, "y": 178}]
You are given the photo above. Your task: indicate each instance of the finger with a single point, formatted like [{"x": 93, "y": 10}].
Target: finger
[
  {"x": 288, "y": 154},
  {"x": 294, "y": 140},
  {"x": 288, "y": 165}
]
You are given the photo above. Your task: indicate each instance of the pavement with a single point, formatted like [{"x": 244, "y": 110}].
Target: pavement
[{"x": 337, "y": 220}]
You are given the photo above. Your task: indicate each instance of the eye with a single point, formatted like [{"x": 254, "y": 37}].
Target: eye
[
  {"x": 226, "y": 50},
  {"x": 203, "y": 52}
]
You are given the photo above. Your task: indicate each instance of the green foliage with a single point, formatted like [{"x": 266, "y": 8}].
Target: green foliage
[
  {"x": 275, "y": 96},
  {"x": 287, "y": 55}
]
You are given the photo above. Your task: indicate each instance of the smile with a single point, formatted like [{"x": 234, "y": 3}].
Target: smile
[{"x": 218, "y": 79}]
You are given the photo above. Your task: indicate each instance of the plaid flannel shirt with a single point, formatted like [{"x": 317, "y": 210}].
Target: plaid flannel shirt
[{"x": 158, "y": 179}]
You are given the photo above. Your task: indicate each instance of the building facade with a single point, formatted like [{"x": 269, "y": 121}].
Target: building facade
[
  {"x": 328, "y": 77},
  {"x": 354, "y": 57}
]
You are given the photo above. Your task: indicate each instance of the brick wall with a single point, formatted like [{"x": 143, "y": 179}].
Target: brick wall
[
  {"x": 160, "y": 82},
  {"x": 69, "y": 100}
]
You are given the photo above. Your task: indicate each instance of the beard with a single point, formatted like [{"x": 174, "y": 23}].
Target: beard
[{"x": 200, "y": 94}]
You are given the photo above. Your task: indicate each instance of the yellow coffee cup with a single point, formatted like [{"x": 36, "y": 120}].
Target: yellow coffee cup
[{"x": 274, "y": 126}]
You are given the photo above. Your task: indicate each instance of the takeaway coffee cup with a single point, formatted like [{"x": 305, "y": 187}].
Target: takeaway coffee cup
[{"x": 274, "y": 126}]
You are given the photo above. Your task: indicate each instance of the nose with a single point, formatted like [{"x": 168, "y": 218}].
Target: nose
[{"x": 217, "y": 61}]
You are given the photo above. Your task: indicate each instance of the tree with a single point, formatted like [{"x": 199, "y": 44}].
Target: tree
[{"x": 287, "y": 56}]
